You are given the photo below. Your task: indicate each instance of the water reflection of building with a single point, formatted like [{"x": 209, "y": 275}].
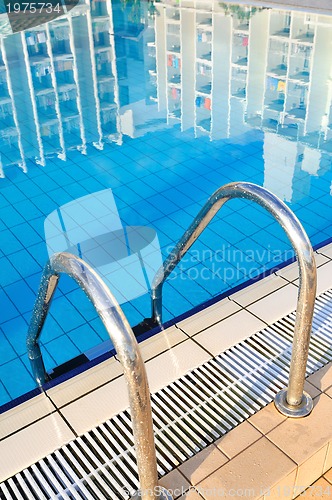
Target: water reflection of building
[
  {"x": 273, "y": 62},
  {"x": 202, "y": 60},
  {"x": 64, "y": 89},
  {"x": 218, "y": 73},
  {"x": 135, "y": 46},
  {"x": 261, "y": 68},
  {"x": 59, "y": 85}
]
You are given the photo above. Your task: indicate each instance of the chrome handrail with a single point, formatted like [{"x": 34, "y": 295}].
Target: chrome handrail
[
  {"x": 292, "y": 401},
  {"x": 126, "y": 348}
]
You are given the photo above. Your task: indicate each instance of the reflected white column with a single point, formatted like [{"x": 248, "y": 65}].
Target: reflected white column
[
  {"x": 54, "y": 83},
  {"x": 11, "y": 95},
  {"x": 33, "y": 99},
  {"x": 280, "y": 155}
]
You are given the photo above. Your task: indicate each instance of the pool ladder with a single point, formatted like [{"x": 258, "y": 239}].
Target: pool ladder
[
  {"x": 293, "y": 401},
  {"x": 126, "y": 348}
]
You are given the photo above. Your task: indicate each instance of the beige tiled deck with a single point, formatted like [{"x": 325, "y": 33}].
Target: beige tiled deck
[
  {"x": 291, "y": 272},
  {"x": 96, "y": 395},
  {"x": 322, "y": 488},
  {"x": 261, "y": 289},
  {"x": 30, "y": 443},
  {"x": 229, "y": 331},
  {"x": 267, "y": 457},
  {"x": 276, "y": 305},
  {"x": 208, "y": 317},
  {"x": 26, "y": 414},
  {"x": 327, "y": 251}
]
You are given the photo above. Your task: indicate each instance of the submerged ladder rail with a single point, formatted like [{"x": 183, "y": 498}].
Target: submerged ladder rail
[
  {"x": 126, "y": 348},
  {"x": 292, "y": 401}
]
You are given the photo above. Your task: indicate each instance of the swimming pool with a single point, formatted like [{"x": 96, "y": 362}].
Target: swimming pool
[{"x": 134, "y": 114}]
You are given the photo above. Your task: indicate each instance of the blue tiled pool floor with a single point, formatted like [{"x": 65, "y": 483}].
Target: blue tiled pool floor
[
  {"x": 239, "y": 244},
  {"x": 115, "y": 121}
]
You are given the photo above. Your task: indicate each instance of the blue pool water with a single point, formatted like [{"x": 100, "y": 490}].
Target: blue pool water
[{"x": 154, "y": 127}]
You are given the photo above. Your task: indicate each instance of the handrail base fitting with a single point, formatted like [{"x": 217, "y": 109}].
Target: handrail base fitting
[{"x": 299, "y": 411}]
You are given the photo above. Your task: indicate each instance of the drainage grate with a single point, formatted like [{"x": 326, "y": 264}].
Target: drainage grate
[{"x": 188, "y": 415}]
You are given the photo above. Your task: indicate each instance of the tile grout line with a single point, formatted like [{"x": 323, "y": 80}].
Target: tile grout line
[
  {"x": 86, "y": 393},
  {"x": 28, "y": 425},
  {"x": 212, "y": 324},
  {"x": 62, "y": 416}
]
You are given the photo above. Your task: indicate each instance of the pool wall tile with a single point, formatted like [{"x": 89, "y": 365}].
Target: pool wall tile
[
  {"x": 227, "y": 332},
  {"x": 28, "y": 412},
  {"x": 22, "y": 448},
  {"x": 276, "y": 305},
  {"x": 82, "y": 384}
]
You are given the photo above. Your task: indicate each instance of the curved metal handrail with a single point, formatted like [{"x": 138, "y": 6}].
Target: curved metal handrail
[
  {"x": 126, "y": 347},
  {"x": 291, "y": 402}
]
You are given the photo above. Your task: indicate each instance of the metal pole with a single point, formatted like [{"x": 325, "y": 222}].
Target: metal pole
[
  {"x": 127, "y": 351},
  {"x": 293, "y": 401}
]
